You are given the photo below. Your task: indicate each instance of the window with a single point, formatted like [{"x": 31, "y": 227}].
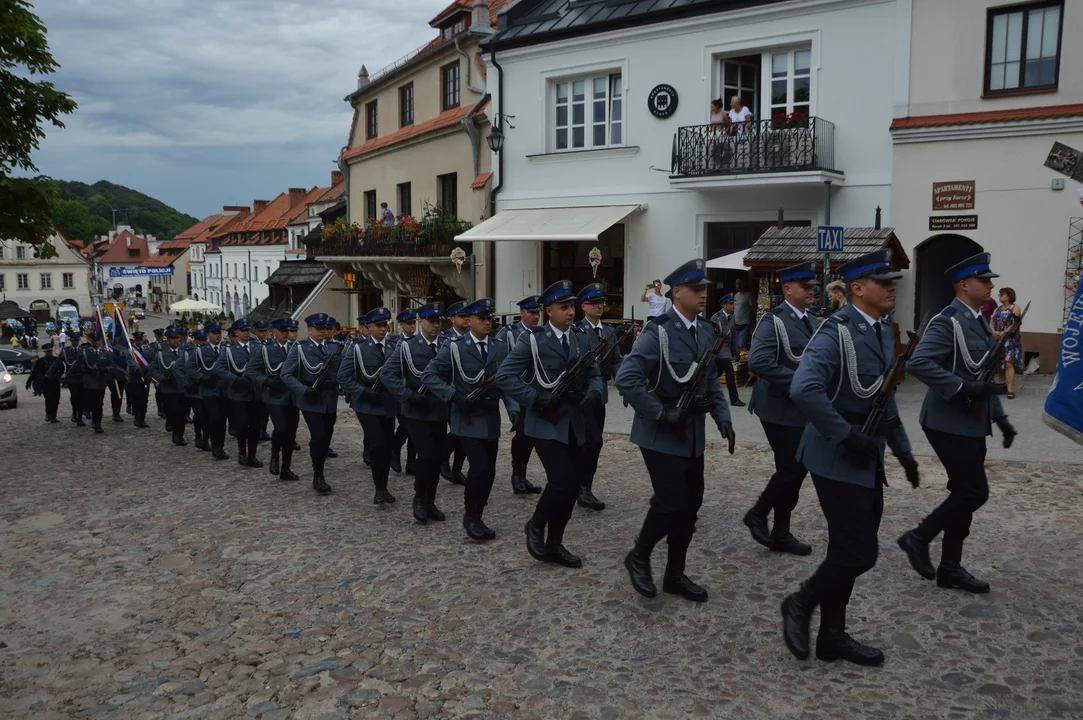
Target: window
[
  {"x": 740, "y": 77},
  {"x": 69, "y": 280},
  {"x": 371, "y": 116},
  {"x": 406, "y": 105},
  {"x": 370, "y": 205},
  {"x": 255, "y": 273},
  {"x": 1, "y": 252},
  {"x": 2, "y": 286},
  {"x": 23, "y": 281},
  {"x": 1022, "y": 47},
  {"x": 791, "y": 82},
  {"x": 449, "y": 85},
  {"x": 403, "y": 191},
  {"x": 20, "y": 252},
  {"x": 580, "y": 124},
  {"x": 447, "y": 194},
  {"x": 46, "y": 281},
  {"x": 234, "y": 269}
]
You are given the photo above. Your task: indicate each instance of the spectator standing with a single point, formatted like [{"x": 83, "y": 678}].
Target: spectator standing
[
  {"x": 744, "y": 313},
  {"x": 656, "y": 301},
  {"x": 836, "y": 294},
  {"x": 739, "y": 115},
  {"x": 1002, "y": 319}
]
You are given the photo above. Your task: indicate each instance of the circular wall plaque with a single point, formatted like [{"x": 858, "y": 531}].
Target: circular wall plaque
[{"x": 662, "y": 101}]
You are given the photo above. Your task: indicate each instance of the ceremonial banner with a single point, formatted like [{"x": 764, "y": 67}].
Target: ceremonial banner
[{"x": 1064, "y": 404}]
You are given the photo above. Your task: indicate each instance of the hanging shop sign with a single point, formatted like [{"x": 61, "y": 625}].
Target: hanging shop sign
[
  {"x": 662, "y": 101},
  {"x": 940, "y": 223},
  {"x": 958, "y": 195}
]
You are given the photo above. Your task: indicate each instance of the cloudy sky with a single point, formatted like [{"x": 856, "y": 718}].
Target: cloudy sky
[{"x": 204, "y": 103}]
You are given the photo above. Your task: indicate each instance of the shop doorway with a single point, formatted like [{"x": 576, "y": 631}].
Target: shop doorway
[
  {"x": 932, "y": 258},
  {"x": 724, "y": 238},
  {"x": 571, "y": 261}
]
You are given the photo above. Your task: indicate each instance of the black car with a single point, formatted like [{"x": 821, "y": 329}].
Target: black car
[{"x": 18, "y": 361}]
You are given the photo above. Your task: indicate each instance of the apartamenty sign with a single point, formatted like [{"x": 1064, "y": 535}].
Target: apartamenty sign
[
  {"x": 953, "y": 222},
  {"x": 128, "y": 272},
  {"x": 957, "y": 195}
]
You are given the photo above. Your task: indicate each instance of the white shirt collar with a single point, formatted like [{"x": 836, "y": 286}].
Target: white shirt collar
[
  {"x": 593, "y": 325},
  {"x": 864, "y": 315},
  {"x": 687, "y": 323},
  {"x": 558, "y": 333},
  {"x": 476, "y": 339},
  {"x": 800, "y": 314},
  {"x": 975, "y": 313}
]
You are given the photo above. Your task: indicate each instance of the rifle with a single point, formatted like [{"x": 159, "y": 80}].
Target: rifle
[
  {"x": 889, "y": 385},
  {"x": 572, "y": 375},
  {"x": 478, "y": 393},
  {"x": 703, "y": 365},
  {"x": 622, "y": 332},
  {"x": 317, "y": 384},
  {"x": 988, "y": 367}
]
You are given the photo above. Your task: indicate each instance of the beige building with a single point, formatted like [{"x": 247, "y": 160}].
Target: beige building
[
  {"x": 418, "y": 144},
  {"x": 987, "y": 90},
  {"x": 40, "y": 286}
]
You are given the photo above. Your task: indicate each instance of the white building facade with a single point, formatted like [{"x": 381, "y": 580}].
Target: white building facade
[
  {"x": 41, "y": 285},
  {"x": 212, "y": 269},
  {"x": 992, "y": 88},
  {"x": 612, "y": 146}
]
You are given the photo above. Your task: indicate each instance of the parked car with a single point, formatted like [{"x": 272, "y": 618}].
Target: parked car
[
  {"x": 139, "y": 313},
  {"x": 9, "y": 392},
  {"x": 17, "y": 361}
]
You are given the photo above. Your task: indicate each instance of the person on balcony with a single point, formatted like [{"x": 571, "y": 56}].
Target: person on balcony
[
  {"x": 740, "y": 116},
  {"x": 387, "y": 218}
]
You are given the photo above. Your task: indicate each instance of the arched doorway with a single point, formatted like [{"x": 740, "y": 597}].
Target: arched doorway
[
  {"x": 932, "y": 258},
  {"x": 41, "y": 310}
]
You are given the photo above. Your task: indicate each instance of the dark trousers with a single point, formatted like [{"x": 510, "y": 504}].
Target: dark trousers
[
  {"x": 321, "y": 427},
  {"x": 521, "y": 447},
  {"x": 453, "y": 453},
  {"x": 93, "y": 400},
  {"x": 138, "y": 395},
  {"x": 429, "y": 440},
  {"x": 592, "y": 448},
  {"x": 725, "y": 369},
  {"x": 160, "y": 401},
  {"x": 678, "y": 496},
  {"x": 968, "y": 489},
  {"x": 482, "y": 473},
  {"x": 402, "y": 437},
  {"x": 248, "y": 422},
  {"x": 784, "y": 487},
  {"x": 564, "y": 471},
  {"x": 379, "y": 434},
  {"x": 853, "y": 520},
  {"x": 199, "y": 417},
  {"x": 51, "y": 390},
  {"x": 216, "y": 409},
  {"x": 75, "y": 396},
  {"x": 176, "y": 412},
  {"x": 116, "y": 397},
  {"x": 285, "y": 419}
]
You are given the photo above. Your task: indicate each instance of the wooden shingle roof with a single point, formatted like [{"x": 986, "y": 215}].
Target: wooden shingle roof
[{"x": 780, "y": 247}]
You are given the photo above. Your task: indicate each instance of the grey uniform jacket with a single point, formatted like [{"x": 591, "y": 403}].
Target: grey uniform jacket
[
  {"x": 71, "y": 370},
  {"x": 607, "y": 333},
  {"x": 401, "y": 374},
  {"x": 302, "y": 367},
  {"x": 447, "y": 375},
  {"x": 821, "y": 376},
  {"x": 265, "y": 371},
  {"x": 941, "y": 362},
  {"x": 191, "y": 372},
  {"x": 229, "y": 368},
  {"x": 724, "y": 324},
  {"x": 168, "y": 370},
  {"x": 96, "y": 367},
  {"x": 774, "y": 366},
  {"x": 511, "y": 333},
  {"x": 520, "y": 363},
  {"x": 647, "y": 384},
  {"x": 200, "y": 367},
  {"x": 360, "y": 370}
]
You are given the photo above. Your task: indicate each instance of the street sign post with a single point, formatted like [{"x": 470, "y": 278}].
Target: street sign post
[{"x": 828, "y": 240}]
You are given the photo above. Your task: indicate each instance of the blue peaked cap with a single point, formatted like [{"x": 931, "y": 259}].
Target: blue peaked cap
[
  {"x": 594, "y": 291},
  {"x": 974, "y": 266},
  {"x": 431, "y": 311},
  {"x": 875, "y": 265},
  {"x": 558, "y": 292},
  {"x": 801, "y": 272},
  {"x": 531, "y": 303},
  {"x": 481, "y": 306},
  {"x": 376, "y": 315}
]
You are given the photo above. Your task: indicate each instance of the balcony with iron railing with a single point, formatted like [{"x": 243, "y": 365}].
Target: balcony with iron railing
[
  {"x": 785, "y": 149},
  {"x": 429, "y": 237}
]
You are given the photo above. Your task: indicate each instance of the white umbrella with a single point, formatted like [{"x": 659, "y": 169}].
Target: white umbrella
[
  {"x": 190, "y": 305},
  {"x": 733, "y": 261}
]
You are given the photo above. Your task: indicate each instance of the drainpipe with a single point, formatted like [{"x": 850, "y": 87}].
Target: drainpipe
[
  {"x": 499, "y": 168},
  {"x": 468, "y": 119}
]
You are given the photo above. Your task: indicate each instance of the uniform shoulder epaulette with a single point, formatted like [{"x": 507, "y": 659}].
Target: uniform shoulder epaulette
[
  {"x": 499, "y": 340},
  {"x": 777, "y": 310},
  {"x": 460, "y": 338},
  {"x": 579, "y": 329},
  {"x": 949, "y": 311},
  {"x": 703, "y": 319},
  {"x": 536, "y": 329},
  {"x": 838, "y": 317},
  {"x": 662, "y": 320}
]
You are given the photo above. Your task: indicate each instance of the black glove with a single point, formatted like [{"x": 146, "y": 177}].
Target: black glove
[
  {"x": 276, "y": 386},
  {"x": 726, "y": 429},
  {"x": 513, "y": 417},
  {"x": 573, "y": 397},
  {"x": 862, "y": 447},
  {"x": 311, "y": 392},
  {"x": 701, "y": 405},
  {"x": 1007, "y": 430},
  {"x": 910, "y": 465},
  {"x": 980, "y": 390},
  {"x": 546, "y": 401},
  {"x": 672, "y": 417},
  {"x": 464, "y": 403},
  {"x": 370, "y": 395},
  {"x": 592, "y": 399}
]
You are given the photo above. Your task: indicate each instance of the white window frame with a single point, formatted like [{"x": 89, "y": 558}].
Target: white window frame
[
  {"x": 46, "y": 281},
  {"x": 767, "y": 107},
  {"x": 20, "y": 252},
  {"x": 614, "y": 83},
  {"x": 22, "y": 281},
  {"x": 764, "y": 46},
  {"x": 68, "y": 280}
]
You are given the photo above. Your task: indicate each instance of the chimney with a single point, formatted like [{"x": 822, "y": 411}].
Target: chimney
[
  {"x": 297, "y": 195},
  {"x": 877, "y": 217},
  {"x": 229, "y": 209},
  {"x": 479, "y": 16},
  {"x": 781, "y": 222},
  {"x": 259, "y": 206},
  {"x": 362, "y": 77},
  {"x": 128, "y": 240},
  {"x": 336, "y": 177}
]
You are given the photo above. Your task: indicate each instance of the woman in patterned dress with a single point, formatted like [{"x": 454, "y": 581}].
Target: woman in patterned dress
[{"x": 1001, "y": 320}]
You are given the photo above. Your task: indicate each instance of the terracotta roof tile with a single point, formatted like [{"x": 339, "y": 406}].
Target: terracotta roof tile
[
  {"x": 176, "y": 243},
  {"x": 1051, "y": 112},
  {"x": 444, "y": 120},
  {"x": 228, "y": 226},
  {"x": 117, "y": 251},
  {"x": 480, "y": 180},
  {"x": 200, "y": 227},
  {"x": 495, "y": 6},
  {"x": 301, "y": 211},
  {"x": 160, "y": 260}
]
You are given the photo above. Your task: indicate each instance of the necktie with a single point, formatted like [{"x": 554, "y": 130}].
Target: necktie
[
  {"x": 692, "y": 330},
  {"x": 598, "y": 332},
  {"x": 215, "y": 349},
  {"x": 808, "y": 323},
  {"x": 432, "y": 346},
  {"x": 484, "y": 353},
  {"x": 879, "y": 336},
  {"x": 380, "y": 347},
  {"x": 564, "y": 343}
]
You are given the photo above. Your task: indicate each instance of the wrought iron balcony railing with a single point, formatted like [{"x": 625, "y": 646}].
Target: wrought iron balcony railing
[
  {"x": 767, "y": 146},
  {"x": 430, "y": 238}
]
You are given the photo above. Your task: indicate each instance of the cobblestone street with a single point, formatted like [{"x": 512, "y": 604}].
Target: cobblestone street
[{"x": 143, "y": 580}]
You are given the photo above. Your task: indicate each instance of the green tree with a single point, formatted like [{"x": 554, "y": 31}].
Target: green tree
[{"x": 26, "y": 204}]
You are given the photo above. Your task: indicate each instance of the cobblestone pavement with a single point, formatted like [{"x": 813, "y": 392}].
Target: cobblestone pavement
[{"x": 147, "y": 581}]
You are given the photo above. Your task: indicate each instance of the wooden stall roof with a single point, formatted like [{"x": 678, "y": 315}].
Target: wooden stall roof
[{"x": 782, "y": 247}]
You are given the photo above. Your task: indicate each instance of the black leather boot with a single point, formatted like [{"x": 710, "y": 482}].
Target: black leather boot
[
  {"x": 917, "y": 552},
  {"x": 383, "y": 496},
  {"x": 141, "y": 421},
  {"x": 366, "y": 458},
  {"x": 520, "y": 485},
  {"x": 445, "y": 470},
  {"x": 535, "y": 539},
  {"x": 796, "y": 615},
  {"x": 178, "y": 439},
  {"x": 833, "y": 644},
  {"x": 676, "y": 582},
  {"x": 274, "y": 468},
  {"x": 588, "y": 500},
  {"x": 79, "y": 420},
  {"x": 431, "y": 510},
  {"x": 756, "y": 520},
  {"x": 475, "y": 528},
  {"x": 952, "y": 575},
  {"x": 557, "y": 553},
  {"x": 219, "y": 453},
  {"x": 117, "y": 418},
  {"x": 782, "y": 541},
  {"x": 318, "y": 483},
  {"x": 638, "y": 563},
  {"x": 98, "y": 428},
  {"x": 420, "y": 509},
  {"x": 331, "y": 453},
  {"x": 396, "y": 463}
]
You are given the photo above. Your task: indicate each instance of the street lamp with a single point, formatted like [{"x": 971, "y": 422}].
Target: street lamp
[{"x": 495, "y": 141}]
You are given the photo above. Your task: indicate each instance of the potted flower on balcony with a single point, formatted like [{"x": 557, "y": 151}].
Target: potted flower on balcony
[
  {"x": 798, "y": 119},
  {"x": 780, "y": 121}
]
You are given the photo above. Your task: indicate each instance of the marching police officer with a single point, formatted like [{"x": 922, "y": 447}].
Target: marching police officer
[
  {"x": 159, "y": 344},
  {"x": 724, "y": 324},
  {"x": 50, "y": 381},
  {"x": 245, "y": 408},
  {"x": 592, "y": 301},
  {"x": 463, "y": 373},
  {"x": 138, "y": 380},
  {"x": 452, "y": 467},
  {"x": 70, "y": 374},
  {"x": 424, "y": 414},
  {"x": 834, "y": 387},
  {"x": 168, "y": 370},
  {"x": 659, "y": 369},
  {"x": 200, "y": 367},
  {"x": 521, "y": 444},
  {"x": 265, "y": 371},
  {"x": 957, "y": 415},
  {"x": 555, "y": 421},
  {"x": 97, "y": 373},
  {"x": 192, "y": 393},
  {"x": 359, "y": 377},
  {"x": 407, "y": 320},
  {"x": 777, "y": 344},
  {"x": 310, "y": 372},
  {"x": 261, "y": 330}
]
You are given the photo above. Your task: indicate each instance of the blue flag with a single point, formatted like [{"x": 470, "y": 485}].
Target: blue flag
[{"x": 1064, "y": 404}]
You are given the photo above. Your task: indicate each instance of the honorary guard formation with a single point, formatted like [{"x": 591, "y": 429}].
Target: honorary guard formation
[{"x": 824, "y": 395}]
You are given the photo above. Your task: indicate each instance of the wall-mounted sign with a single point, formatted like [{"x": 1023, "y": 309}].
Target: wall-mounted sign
[
  {"x": 953, "y": 195},
  {"x": 1065, "y": 160},
  {"x": 127, "y": 272},
  {"x": 953, "y": 222},
  {"x": 662, "y": 101}
]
